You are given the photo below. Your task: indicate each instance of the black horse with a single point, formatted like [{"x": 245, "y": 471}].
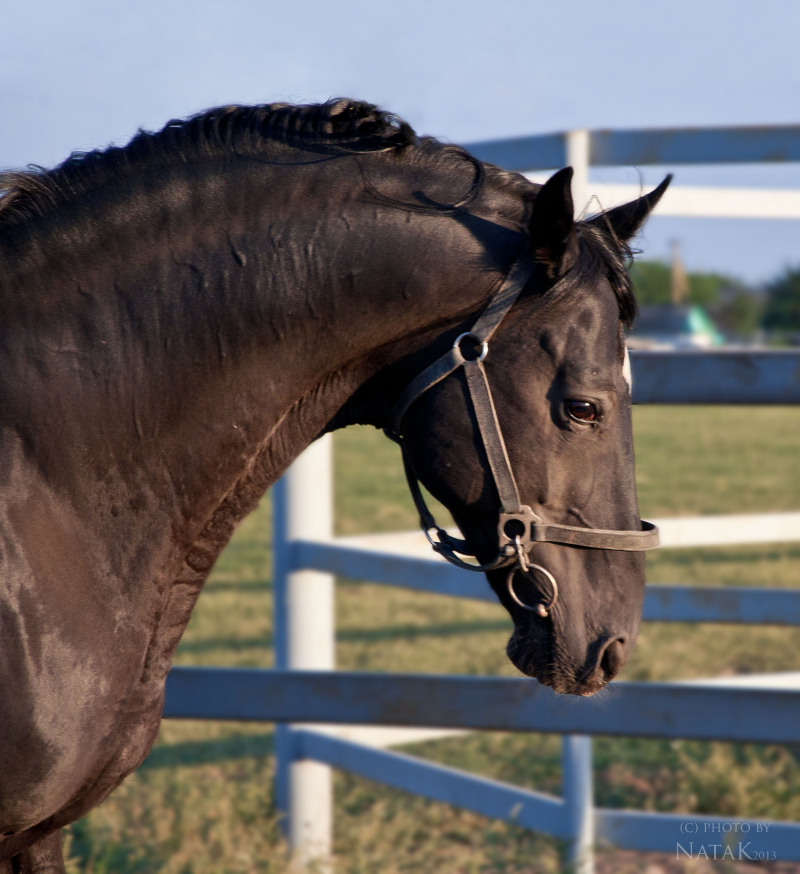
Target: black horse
[{"x": 180, "y": 317}]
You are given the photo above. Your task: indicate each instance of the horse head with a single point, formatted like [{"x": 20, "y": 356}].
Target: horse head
[{"x": 523, "y": 431}]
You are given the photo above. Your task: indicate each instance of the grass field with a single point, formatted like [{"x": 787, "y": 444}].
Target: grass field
[{"x": 203, "y": 801}]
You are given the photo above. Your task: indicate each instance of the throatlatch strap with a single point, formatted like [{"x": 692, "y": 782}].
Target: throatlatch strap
[
  {"x": 442, "y": 367},
  {"x": 487, "y": 323}
]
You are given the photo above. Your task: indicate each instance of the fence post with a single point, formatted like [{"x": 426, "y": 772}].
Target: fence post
[
  {"x": 576, "y": 763},
  {"x": 577, "y": 148},
  {"x": 304, "y": 639}
]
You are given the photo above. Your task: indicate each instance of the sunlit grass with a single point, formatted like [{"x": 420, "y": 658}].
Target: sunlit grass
[{"x": 203, "y": 802}]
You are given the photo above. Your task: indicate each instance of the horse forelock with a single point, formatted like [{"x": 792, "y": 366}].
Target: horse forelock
[
  {"x": 340, "y": 126},
  {"x": 600, "y": 255}
]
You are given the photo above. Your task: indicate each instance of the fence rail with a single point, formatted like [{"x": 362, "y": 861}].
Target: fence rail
[
  {"x": 726, "y": 376},
  {"x": 696, "y": 711},
  {"x": 664, "y": 147},
  {"x": 583, "y": 149},
  {"x": 701, "y": 711},
  {"x": 662, "y": 603}
]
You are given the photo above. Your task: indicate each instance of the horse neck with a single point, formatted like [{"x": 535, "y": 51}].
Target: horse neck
[{"x": 211, "y": 343}]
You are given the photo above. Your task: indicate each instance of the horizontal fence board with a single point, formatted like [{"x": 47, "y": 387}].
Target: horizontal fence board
[
  {"x": 723, "y": 145},
  {"x": 735, "y": 604},
  {"x": 695, "y": 201},
  {"x": 729, "y": 530},
  {"x": 703, "y": 202},
  {"x": 679, "y": 834},
  {"x": 481, "y": 795},
  {"x": 538, "y": 152},
  {"x": 772, "y": 680},
  {"x": 683, "y": 835},
  {"x": 662, "y": 603},
  {"x": 726, "y": 376},
  {"x": 383, "y": 736},
  {"x": 696, "y": 711},
  {"x": 662, "y": 146},
  {"x": 407, "y": 554},
  {"x": 427, "y": 574}
]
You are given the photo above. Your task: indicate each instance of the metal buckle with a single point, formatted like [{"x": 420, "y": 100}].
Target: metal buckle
[{"x": 515, "y": 530}]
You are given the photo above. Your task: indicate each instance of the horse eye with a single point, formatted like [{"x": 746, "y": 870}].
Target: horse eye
[{"x": 581, "y": 411}]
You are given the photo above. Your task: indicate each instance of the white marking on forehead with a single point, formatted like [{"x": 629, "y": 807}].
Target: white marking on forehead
[{"x": 626, "y": 370}]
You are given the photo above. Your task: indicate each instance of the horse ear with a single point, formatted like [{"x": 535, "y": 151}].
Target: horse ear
[
  {"x": 626, "y": 220},
  {"x": 552, "y": 221}
]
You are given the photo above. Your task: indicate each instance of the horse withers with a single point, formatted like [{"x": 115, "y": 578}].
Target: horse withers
[{"x": 180, "y": 317}]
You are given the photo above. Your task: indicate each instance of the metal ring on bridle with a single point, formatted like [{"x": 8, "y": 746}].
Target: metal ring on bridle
[
  {"x": 482, "y": 344},
  {"x": 544, "y": 607}
]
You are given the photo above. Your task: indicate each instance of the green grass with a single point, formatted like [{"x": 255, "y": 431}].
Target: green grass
[{"x": 203, "y": 801}]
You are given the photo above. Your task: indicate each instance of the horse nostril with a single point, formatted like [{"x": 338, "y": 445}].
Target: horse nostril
[{"x": 613, "y": 658}]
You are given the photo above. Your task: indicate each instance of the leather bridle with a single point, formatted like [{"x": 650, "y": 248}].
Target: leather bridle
[{"x": 518, "y": 527}]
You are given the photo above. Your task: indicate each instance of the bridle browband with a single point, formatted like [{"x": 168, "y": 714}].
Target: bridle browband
[{"x": 518, "y": 528}]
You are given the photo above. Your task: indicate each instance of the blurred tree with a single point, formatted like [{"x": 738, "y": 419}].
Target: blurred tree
[
  {"x": 653, "y": 281},
  {"x": 782, "y": 309},
  {"x": 705, "y": 289},
  {"x": 739, "y": 313},
  {"x": 735, "y": 307}
]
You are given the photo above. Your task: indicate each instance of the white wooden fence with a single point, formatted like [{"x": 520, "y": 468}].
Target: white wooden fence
[{"x": 363, "y": 715}]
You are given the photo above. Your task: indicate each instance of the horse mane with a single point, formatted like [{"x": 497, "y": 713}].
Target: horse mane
[{"x": 339, "y": 126}]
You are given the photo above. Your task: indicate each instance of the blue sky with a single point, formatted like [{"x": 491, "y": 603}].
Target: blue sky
[{"x": 85, "y": 73}]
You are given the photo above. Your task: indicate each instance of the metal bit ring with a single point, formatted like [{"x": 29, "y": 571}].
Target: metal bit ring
[{"x": 544, "y": 606}]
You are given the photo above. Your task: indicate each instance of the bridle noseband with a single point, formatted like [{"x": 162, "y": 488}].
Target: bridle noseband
[{"x": 518, "y": 527}]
